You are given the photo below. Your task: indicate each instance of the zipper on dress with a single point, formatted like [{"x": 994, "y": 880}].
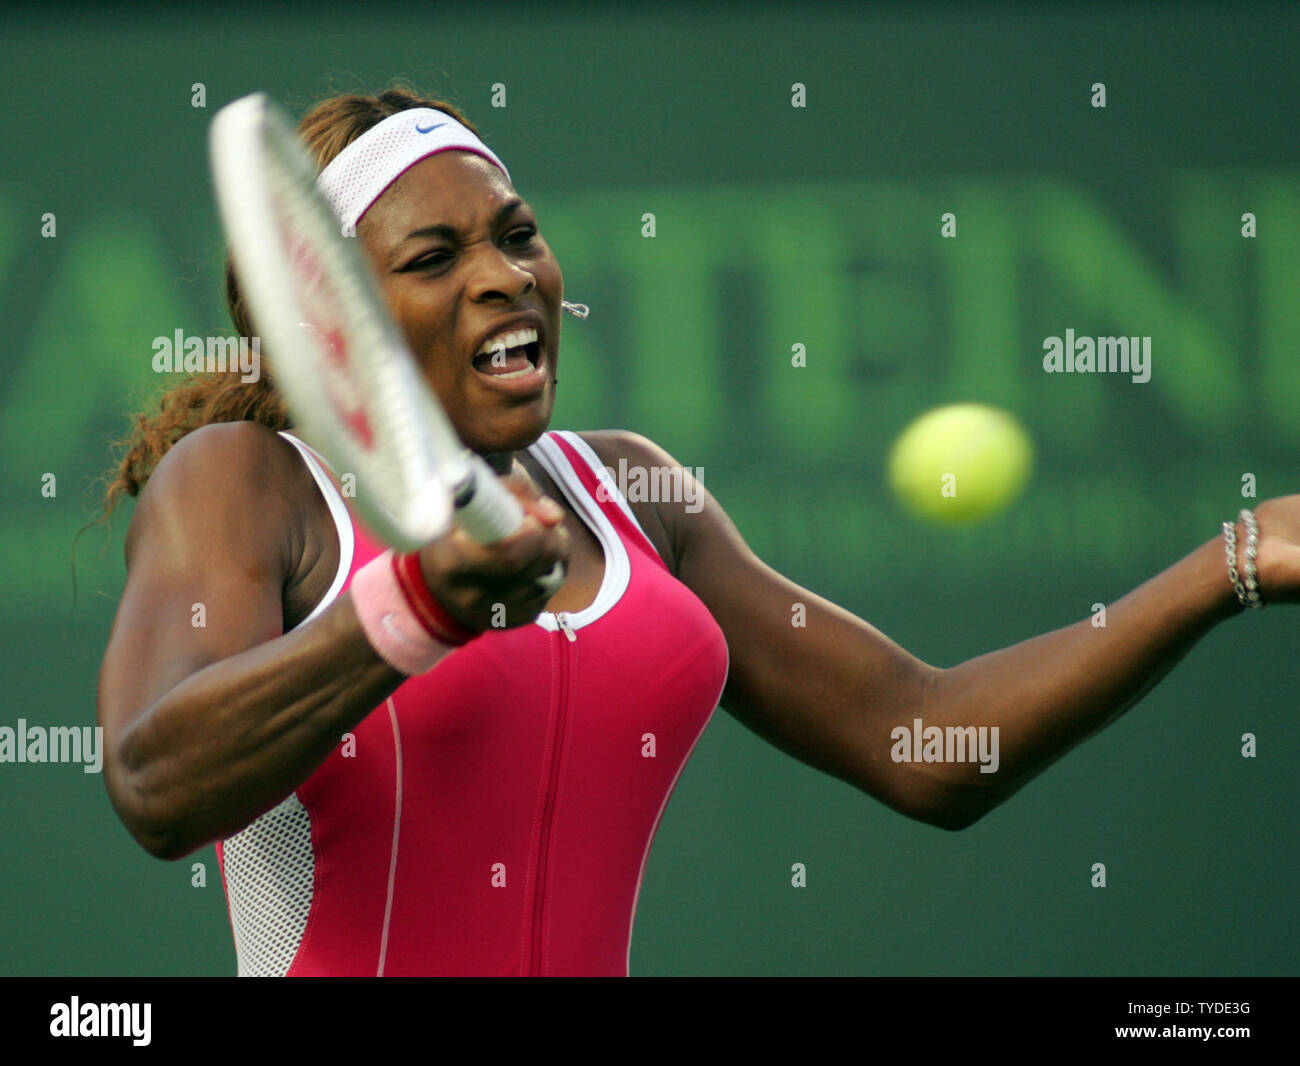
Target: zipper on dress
[{"x": 551, "y": 788}]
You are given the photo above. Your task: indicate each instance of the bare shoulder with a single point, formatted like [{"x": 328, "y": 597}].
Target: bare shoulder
[
  {"x": 643, "y": 457},
  {"x": 236, "y": 484},
  {"x": 623, "y": 443}
]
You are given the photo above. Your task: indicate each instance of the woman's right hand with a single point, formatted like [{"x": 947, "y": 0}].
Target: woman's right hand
[{"x": 474, "y": 582}]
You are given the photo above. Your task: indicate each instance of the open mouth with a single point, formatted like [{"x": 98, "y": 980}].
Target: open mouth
[
  {"x": 516, "y": 373},
  {"x": 508, "y": 364}
]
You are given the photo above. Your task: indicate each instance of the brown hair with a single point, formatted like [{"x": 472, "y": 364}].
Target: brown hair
[{"x": 202, "y": 399}]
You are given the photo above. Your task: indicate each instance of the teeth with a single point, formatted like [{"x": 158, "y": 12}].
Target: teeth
[
  {"x": 515, "y": 374},
  {"x": 505, "y": 341}
]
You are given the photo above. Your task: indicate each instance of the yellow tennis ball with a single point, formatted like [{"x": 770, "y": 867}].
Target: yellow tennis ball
[{"x": 961, "y": 463}]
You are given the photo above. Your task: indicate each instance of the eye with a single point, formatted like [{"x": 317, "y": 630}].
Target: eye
[
  {"x": 428, "y": 261},
  {"x": 522, "y": 237}
]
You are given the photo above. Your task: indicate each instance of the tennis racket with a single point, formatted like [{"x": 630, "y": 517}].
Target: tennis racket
[{"x": 344, "y": 369}]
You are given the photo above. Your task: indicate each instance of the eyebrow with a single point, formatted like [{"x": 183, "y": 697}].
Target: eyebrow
[{"x": 452, "y": 233}]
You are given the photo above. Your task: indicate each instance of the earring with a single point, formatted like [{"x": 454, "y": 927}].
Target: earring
[{"x": 577, "y": 310}]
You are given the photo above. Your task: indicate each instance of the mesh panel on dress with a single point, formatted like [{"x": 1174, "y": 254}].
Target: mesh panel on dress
[{"x": 270, "y": 871}]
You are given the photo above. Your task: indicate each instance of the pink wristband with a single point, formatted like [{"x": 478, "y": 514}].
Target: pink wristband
[{"x": 389, "y": 623}]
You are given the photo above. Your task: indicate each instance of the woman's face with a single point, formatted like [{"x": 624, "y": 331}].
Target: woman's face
[{"x": 460, "y": 261}]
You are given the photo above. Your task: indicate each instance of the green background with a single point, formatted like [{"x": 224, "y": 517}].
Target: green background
[{"x": 775, "y": 226}]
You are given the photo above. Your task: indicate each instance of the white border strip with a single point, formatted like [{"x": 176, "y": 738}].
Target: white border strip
[
  {"x": 601, "y": 473},
  {"x": 397, "y": 832},
  {"x": 342, "y": 524},
  {"x": 618, "y": 567}
]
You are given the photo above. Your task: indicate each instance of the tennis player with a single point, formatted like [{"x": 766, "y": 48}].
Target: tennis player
[{"x": 421, "y": 764}]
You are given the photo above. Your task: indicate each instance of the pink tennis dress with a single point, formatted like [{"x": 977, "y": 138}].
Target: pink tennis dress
[{"x": 493, "y": 816}]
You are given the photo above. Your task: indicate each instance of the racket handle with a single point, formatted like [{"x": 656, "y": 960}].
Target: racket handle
[
  {"x": 488, "y": 512},
  {"x": 486, "y": 509}
]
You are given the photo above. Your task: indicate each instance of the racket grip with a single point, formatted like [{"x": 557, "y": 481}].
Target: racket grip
[
  {"x": 486, "y": 509},
  {"x": 491, "y": 512}
]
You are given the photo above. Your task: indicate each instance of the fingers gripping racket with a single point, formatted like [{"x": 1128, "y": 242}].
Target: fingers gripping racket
[{"x": 344, "y": 369}]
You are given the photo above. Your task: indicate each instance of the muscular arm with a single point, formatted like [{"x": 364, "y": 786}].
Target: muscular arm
[
  {"x": 830, "y": 692},
  {"x": 206, "y": 727}
]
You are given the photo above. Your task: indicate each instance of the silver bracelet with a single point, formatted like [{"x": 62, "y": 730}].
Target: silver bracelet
[
  {"x": 1247, "y": 594},
  {"x": 1230, "y": 550},
  {"x": 1252, "y": 550}
]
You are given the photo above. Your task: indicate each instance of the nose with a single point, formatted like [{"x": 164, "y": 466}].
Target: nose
[{"x": 499, "y": 277}]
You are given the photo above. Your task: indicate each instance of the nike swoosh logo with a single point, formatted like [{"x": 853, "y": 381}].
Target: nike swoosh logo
[{"x": 421, "y": 129}]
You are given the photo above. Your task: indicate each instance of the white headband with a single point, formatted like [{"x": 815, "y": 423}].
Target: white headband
[{"x": 359, "y": 174}]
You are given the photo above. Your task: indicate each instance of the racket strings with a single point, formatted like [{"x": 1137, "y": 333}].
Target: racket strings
[{"x": 340, "y": 361}]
